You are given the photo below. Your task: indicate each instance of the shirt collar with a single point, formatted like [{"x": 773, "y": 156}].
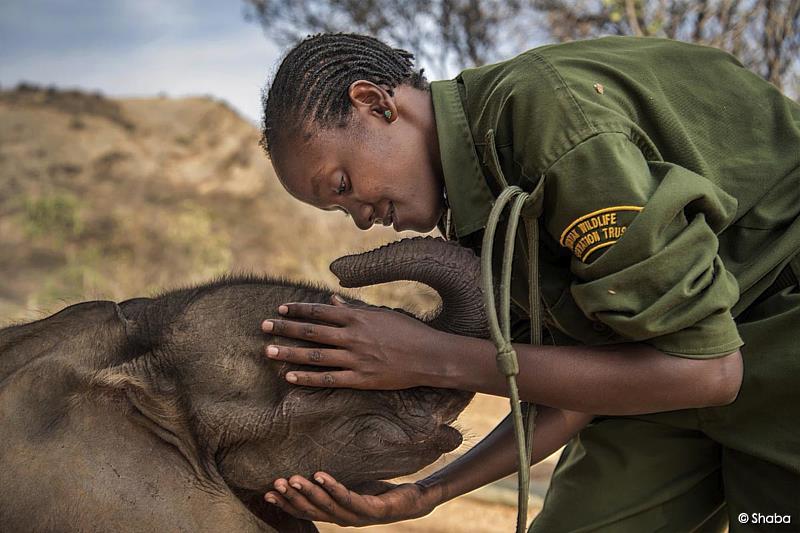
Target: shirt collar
[{"x": 467, "y": 191}]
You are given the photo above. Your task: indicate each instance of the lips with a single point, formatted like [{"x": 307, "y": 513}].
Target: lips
[
  {"x": 389, "y": 218},
  {"x": 392, "y": 215}
]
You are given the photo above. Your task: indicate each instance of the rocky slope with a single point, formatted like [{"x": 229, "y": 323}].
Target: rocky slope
[{"x": 105, "y": 198}]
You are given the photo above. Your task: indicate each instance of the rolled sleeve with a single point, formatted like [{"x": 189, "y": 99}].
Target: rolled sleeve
[{"x": 643, "y": 235}]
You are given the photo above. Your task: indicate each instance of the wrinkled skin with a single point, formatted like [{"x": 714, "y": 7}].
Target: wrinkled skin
[{"x": 163, "y": 414}]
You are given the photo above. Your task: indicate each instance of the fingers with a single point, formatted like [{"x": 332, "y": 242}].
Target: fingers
[
  {"x": 306, "y": 500},
  {"x": 338, "y": 301},
  {"x": 339, "y": 379},
  {"x": 309, "y": 356},
  {"x": 317, "y": 333},
  {"x": 332, "y": 314},
  {"x": 348, "y": 499}
]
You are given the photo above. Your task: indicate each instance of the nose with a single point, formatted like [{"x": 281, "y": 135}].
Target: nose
[{"x": 363, "y": 215}]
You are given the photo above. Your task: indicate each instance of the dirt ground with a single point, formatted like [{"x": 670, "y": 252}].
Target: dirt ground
[{"x": 491, "y": 509}]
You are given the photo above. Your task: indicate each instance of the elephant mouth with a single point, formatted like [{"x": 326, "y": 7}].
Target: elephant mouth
[
  {"x": 441, "y": 407},
  {"x": 382, "y": 433},
  {"x": 447, "y": 438},
  {"x": 388, "y": 452}
]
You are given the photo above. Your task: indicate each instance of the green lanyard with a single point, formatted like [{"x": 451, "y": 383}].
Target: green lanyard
[{"x": 528, "y": 206}]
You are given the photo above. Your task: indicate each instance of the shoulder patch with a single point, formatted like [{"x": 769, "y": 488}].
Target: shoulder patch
[{"x": 596, "y": 230}]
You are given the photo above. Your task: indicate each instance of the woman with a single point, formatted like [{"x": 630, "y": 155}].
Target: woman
[{"x": 669, "y": 226}]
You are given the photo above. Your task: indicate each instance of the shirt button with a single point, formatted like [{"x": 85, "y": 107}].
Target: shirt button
[{"x": 599, "y": 327}]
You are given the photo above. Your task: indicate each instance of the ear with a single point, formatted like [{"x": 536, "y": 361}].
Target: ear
[
  {"x": 96, "y": 330},
  {"x": 370, "y": 100}
]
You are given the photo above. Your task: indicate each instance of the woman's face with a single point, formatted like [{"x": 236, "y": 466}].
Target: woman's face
[{"x": 378, "y": 170}]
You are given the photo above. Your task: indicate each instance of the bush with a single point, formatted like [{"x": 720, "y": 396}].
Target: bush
[{"x": 54, "y": 215}]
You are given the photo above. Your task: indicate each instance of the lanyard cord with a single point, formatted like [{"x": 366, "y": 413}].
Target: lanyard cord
[{"x": 522, "y": 413}]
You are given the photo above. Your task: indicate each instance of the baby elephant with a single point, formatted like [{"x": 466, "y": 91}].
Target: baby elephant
[{"x": 163, "y": 414}]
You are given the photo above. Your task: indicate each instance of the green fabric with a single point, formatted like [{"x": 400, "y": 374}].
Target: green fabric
[
  {"x": 623, "y": 475},
  {"x": 677, "y": 470},
  {"x": 693, "y": 160},
  {"x": 472, "y": 204}
]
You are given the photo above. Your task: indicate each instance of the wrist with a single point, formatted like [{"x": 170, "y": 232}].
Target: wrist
[
  {"x": 433, "y": 491},
  {"x": 441, "y": 358},
  {"x": 467, "y": 363}
]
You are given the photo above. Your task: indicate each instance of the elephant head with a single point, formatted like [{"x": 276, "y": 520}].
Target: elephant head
[{"x": 189, "y": 365}]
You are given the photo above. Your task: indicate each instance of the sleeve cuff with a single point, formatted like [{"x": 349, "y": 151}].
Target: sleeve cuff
[{"x": 714, "y": 336}]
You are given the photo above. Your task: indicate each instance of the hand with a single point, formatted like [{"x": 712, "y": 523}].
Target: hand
[
  {"x": 375, "y": 348},
  {"x": 330, "y": 501}
]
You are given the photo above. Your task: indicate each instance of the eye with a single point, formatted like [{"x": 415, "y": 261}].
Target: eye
[{"x": 342, "y": 186}]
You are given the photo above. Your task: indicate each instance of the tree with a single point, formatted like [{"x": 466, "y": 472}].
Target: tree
[
  {"x": 763, "y": 34},
  {"x": 466, "y": 32}
]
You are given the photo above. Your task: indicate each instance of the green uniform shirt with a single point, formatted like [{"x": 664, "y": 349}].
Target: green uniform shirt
[{"x": 672, "y": 184}]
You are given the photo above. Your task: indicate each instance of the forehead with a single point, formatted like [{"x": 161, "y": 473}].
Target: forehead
[{"x": 303, "y": 162}]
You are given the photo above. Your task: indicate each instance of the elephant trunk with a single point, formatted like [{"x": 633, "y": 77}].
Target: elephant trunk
[{"x": 451, "y": 270}]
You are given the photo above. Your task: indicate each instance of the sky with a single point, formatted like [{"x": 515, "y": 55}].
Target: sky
[{"x": 138, "y": 48}]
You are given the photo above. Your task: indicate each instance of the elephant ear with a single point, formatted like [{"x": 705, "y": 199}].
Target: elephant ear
[{"x": 95, "y": 333}]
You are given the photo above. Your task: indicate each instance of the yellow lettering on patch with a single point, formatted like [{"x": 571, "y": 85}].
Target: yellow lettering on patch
[{"x": 595, "y": 230}]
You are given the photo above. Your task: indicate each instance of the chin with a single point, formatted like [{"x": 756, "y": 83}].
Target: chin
[
  {"x": 424, "y": 222},
  {"x": 432, "y": 223},
  {"x": 419, "y": 228}
]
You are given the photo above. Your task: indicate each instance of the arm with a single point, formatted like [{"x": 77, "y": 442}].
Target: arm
[
  {"x": 491, "y": 459},
  {"x": 496, "y": 455},
  {"x": 622, "y": 379}
]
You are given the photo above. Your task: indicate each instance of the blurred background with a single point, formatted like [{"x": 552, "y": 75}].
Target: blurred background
[{"x": 129, "y": 160}]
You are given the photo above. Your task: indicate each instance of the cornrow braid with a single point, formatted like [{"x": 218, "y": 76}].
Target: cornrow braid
[{"x": 312, "y": 82}]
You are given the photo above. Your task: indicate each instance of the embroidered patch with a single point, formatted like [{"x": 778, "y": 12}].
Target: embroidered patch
[{"x": 596, "y": 230}]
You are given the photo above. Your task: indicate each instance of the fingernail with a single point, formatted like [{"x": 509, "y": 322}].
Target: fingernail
[
  {"x": 266, "y": 325},
  {"x": 296, "y": 486},
  {"x": 291, "y": 378},
  {"x": 272, "y": 350},
  {"x": 338, "y": 298},
  {"x": 281, "y": 489},
  {"x": 319, "y": 480},
  {"x": 282, "y": 309},
  {"x": 271, "y": 500}
]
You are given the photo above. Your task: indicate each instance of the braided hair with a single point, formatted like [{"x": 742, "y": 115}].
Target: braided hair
[{"x": 311, "y": 86}]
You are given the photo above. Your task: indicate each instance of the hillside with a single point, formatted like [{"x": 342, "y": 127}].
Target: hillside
[{"x": 105, "y": 198}]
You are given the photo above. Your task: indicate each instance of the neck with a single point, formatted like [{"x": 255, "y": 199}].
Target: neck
[{"x": 416, "y": 106}]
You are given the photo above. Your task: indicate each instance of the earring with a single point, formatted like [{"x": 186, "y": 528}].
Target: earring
[{"x": 387, "y": 114}]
